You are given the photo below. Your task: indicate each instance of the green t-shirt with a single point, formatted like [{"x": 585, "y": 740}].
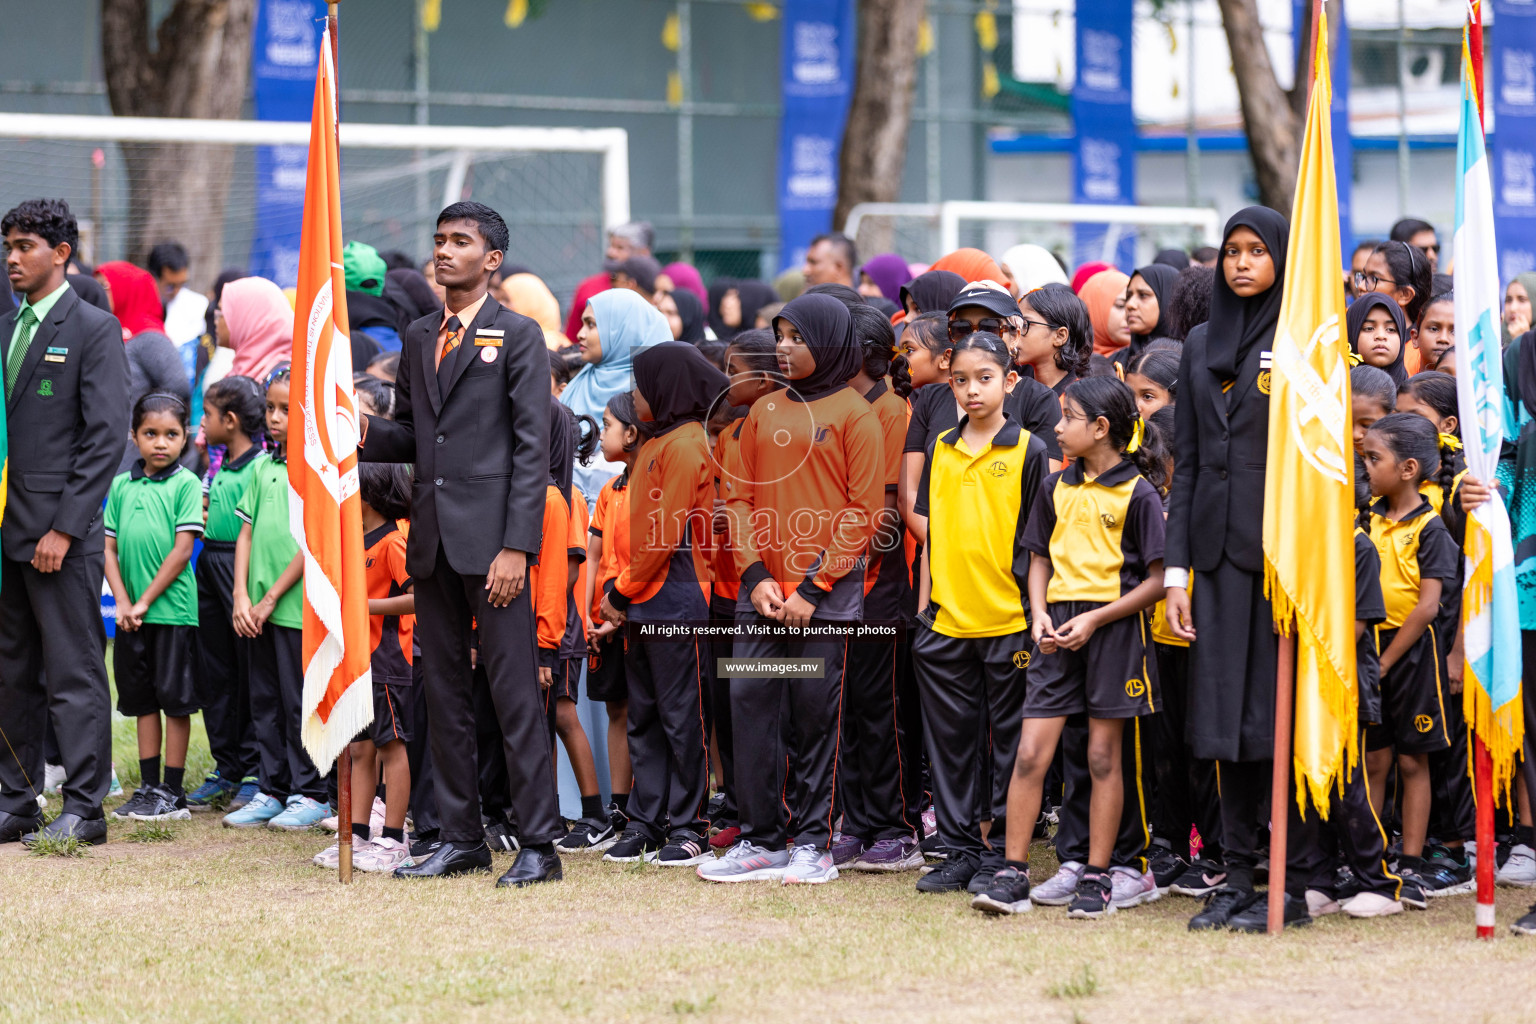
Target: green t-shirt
[
  {"x": 265, "y": 507},
  {"x": 224, "y": 493},
  {"x": 145, "y": 513}
]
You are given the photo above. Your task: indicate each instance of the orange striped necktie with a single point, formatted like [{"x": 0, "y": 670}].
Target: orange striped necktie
[{"x": 455, "y": 329}]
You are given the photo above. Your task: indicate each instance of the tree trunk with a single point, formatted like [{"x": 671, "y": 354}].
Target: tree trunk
[
  {"x": 177, "y": 191},
  {"x": 1269, "y": 120},
  {"x": 875, "y": 139}
]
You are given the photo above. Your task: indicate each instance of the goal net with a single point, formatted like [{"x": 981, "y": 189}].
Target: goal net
[
  {"x": 1077, "y": 232},
  {"x": 232, "y": 191}
]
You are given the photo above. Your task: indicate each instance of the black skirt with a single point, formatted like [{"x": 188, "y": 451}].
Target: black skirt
[{"x": 1232, "y": 667}]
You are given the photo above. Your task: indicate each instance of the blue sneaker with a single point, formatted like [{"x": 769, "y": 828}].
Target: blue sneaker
[
  {"x": 208, "y": 795},
  {"x": 249, "y": 787},
  {"x": 261, "y": 809},
  {"x": 301, "y": 814},
  {"x": 115, "y": 788}
]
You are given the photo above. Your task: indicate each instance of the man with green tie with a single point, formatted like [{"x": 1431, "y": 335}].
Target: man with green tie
[{"x": 66, "y": 410}]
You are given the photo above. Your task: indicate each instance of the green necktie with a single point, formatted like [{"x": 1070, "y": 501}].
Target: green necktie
[{"x": 19, "y": 348}]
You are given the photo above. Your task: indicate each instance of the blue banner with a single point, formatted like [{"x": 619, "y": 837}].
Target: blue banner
[
  {"x": 1343, "y": 144},
  {"x": 1104, "y": 161},
  {"x": 817, "y": 85},
  {"x": 1510, "y": 70},
  {"x": 285, "y": 53}
]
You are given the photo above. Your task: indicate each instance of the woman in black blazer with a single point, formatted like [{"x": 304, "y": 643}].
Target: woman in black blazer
[{"x": 1215, "y": 528}]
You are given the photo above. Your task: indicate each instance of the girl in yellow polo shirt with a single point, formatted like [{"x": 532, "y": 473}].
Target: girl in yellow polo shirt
[
  {"x": 1096, "y": 538},
  {"x": 1418, "y": 560}
]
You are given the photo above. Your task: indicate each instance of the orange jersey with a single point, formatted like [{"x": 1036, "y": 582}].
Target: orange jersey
[
  {"x": 548, "y": 577},
  {"x": 673, "y": 500},
  {"x": 576, "y": 547},
  {"x": 610, "y": 521},
  {"x": 727, "y": 467},
  {"x": 389, "y": 636},
  {"x": 893, "y": 413},
  {"x": 813, "y": 476}
]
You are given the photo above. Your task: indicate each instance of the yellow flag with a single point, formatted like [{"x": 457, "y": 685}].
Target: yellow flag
[{"x": 1309, "y": 557}]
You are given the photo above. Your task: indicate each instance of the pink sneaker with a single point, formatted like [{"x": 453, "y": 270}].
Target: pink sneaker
[
  {"x": 330, "y": 857},
  {"x": 382, "y": 856}
]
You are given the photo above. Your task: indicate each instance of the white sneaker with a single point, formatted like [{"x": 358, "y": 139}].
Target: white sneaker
[
  {"x": 1520, "y": 869},
  {"x": 1061, "y": 888},
  {"x": 53, "y": 777},
  {"x": 1320, "y": 904},
  {"x": 330, "y": 857},
  {"x": 330, "y": 824},
  {"x": 746, "y": 862},
  {"x": 811, "y": 865},
  {"x": 1131, "y": 888},
  {"x": 382, "y": 856},
  {"x": 1370, "y": 904}
]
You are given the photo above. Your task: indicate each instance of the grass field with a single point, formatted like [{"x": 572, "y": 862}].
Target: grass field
[{"x": 213, "y": 924}]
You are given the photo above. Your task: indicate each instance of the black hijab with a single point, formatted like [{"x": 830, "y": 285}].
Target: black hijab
[
  {"x": 1161, "y": 278},
  {"x": 932, "y": 292},
  {"x": 1525, "y": 374},
  {"x": 826, "y": 327},
  {"x": 89, "y": 290},
  {"x": 1178, "y": 259},
  {"x": 562, "y": 446},
  {"x": 679, "y": 383},
  {"x": 753, "y": 296},
  {"x": 1355, "y": 319},
  {"x": 691, "y": 312},
  {"x": 1238, "y": 324},
  {"x": 216, "y": 293}
]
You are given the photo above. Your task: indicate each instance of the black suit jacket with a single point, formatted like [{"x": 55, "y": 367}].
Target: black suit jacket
[
  {"x": 1221, "y": 442},
  {"x": 481, "y": 449},
  {"x": 66, "y": 422}
]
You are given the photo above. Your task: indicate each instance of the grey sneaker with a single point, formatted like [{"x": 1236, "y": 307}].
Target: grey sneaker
[
  {"x": 746, "y": 862},
  {"x": 162, "y": 805},
  {"x": 901, "y": 854},
  {"x": 810, "y": 864},
  {"x": 1061, "y": 888},
  {"x": 143, "y": 799}
]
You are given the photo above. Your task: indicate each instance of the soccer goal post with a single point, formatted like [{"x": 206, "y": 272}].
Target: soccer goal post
[
  {"x": 931, "y": 229},
  {"x": 558, "y": 188}
]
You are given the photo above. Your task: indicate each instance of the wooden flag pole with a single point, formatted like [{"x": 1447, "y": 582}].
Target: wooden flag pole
[
  {"x": 1280, "y": 788},
  {"x": 344, "y": 759}
]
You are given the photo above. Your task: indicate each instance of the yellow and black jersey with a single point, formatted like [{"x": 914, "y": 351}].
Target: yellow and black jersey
[
  {"x": 977, "y": 504},
  {"x": 1415, "y": 548},
  {"x": 1370, "y": 610},
  {"x": 1101, "y": 535}
]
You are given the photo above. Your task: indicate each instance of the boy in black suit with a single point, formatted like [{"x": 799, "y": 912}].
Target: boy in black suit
[
  {"x": 66, "y": 406},
  {"x": 472, "y": 413}
]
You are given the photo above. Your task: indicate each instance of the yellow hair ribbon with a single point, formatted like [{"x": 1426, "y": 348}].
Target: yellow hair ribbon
[
  {"x": 1138, "y": 435},
  {"x": 1450, "y": 442},
  {"x": 1354, "y": 358}
]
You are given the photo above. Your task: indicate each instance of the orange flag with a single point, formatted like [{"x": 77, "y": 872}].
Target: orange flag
[{"x": 324, "y": 509}]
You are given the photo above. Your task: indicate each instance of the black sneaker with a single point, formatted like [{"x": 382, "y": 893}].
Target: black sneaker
[
  {"x": 933, "y": 848},
  {"x": 585, "y": 835},
  {"x": 1166, "y": 866},
  {"x": 633, "y": 846},
  {"x": 1220, "y": 907},
  {"x": 1094, "y": 891},
  {"x": 1346, "y": 884},
  {"x": 501, "y": 836},
  {"x": 1527, "y": 924},
  {"x": 142, "y": 800},
  {"x": 1254, "y": 918},
  {"x": 981, "y": 880},
  {"x": 684, "y": 849},
  {"x": 1417, "y": 882},
  {"x": 618, "y": 822},
  {"x": 161, "y": 805},
  {"x": 951, "y": 876},
  {"x": 1202, "y": 879},
  {"x": 715, "y": 806},
  {"x": 1451, "y": 875},
  {"x": 421, "y": 849},
  {"x": 1008, "y": 893}
]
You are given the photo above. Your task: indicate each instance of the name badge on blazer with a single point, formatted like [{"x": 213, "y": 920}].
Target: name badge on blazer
[
  {"x": 484, "y": 336},
  {"x": 55, "y": 355}
]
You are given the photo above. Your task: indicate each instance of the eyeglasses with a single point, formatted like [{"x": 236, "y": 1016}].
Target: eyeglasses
[
  {"x": 1427, "y": 249},
  {"x": 1028, "y": 323},
  {"x": 1368, "y": 282},
  {"x": 995, "y": 325}
]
